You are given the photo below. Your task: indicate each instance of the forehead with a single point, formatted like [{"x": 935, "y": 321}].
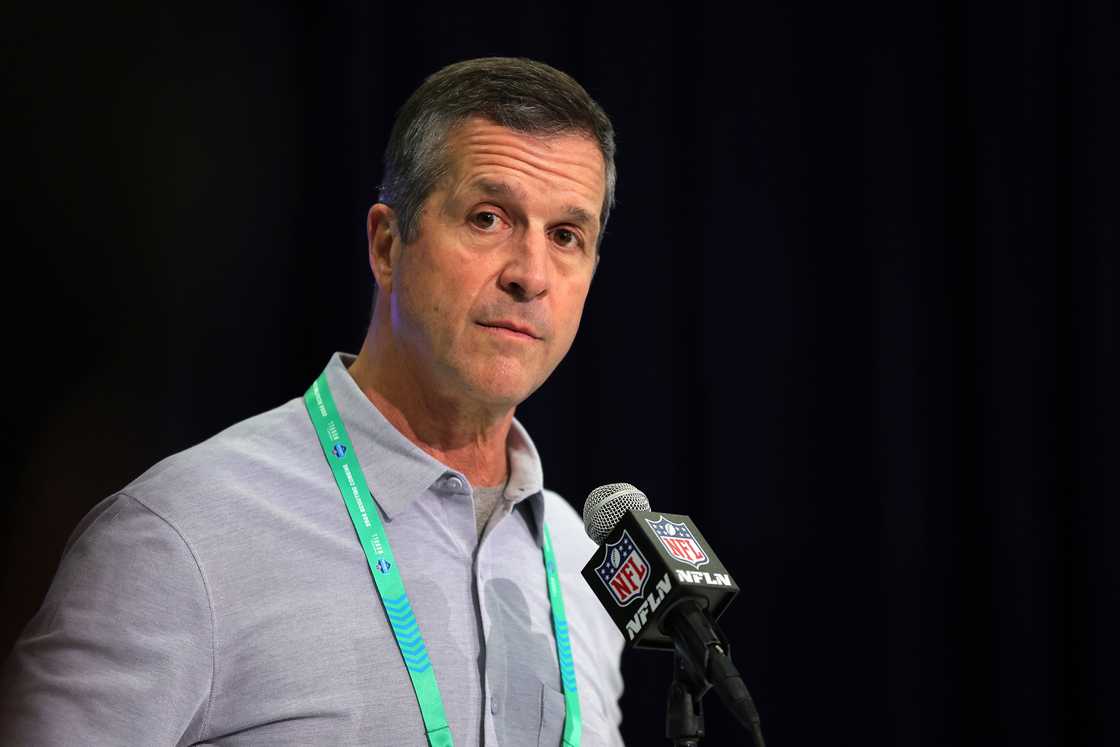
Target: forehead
[{"x": 568, "y": 166}]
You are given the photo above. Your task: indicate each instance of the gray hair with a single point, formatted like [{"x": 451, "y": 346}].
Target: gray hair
[{"x": 523, "y": 95}]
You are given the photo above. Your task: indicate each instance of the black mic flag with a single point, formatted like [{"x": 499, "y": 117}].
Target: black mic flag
[
  {"x": 664, "y": 587},
  {"x": 648, "y": 563}
]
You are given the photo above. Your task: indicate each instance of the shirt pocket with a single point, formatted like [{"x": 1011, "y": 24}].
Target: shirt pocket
[
  {"x": 594, "y": 731},
  {"x": 552, "y": 717}
]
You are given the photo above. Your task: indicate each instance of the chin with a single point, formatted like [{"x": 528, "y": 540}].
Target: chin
[
  {"x": 502, "y": 389},
  {"x": 503, "y": 396},
  {"x": 499, "y": 380}
]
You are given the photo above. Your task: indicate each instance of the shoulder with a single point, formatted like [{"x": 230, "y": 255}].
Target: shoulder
[
  {"x": 261, "y": 438},
  {"x": 217, "y": 487},
  {"x": 197, "y": 499},
  {"x": 278, "y": 439}
]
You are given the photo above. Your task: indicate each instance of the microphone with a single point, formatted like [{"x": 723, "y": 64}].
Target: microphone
[{"x": 664, "y": 587}]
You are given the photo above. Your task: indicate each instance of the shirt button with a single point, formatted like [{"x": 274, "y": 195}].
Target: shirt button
[
  {"x": 494, "y": 706},
  {"x": 454, "y": 483}
]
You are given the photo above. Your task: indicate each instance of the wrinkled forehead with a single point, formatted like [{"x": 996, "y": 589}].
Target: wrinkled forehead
[{"x": 480, "y": 152}]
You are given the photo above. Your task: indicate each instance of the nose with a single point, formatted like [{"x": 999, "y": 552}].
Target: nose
[{"x": 525, "y": 274}]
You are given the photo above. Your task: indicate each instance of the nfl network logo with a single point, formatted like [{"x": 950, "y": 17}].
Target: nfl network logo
[
  {"x": 679, "y": 541},
  {"x": 623, "y": 571}
]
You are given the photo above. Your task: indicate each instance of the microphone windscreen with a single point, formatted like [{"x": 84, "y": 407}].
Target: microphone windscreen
[{"x": 607, "y": 504}]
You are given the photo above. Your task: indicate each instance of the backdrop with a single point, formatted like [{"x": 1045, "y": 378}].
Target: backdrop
[{"x": 855, "y": 313}]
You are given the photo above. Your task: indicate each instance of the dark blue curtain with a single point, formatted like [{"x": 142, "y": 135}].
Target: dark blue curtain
[{"x": 855, "y": 313}]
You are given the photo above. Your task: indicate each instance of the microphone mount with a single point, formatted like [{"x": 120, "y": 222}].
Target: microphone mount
[
  {"x": 665, "y": 588},
  {"x": 701, "y": 661}
]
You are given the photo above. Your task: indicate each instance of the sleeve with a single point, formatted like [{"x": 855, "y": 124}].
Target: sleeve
[{"x": 121, "y": 652}]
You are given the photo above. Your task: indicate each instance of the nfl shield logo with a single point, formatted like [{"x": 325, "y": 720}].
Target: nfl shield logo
[
  {"x": 623, "y": 571},
  {"x": 679, "y": 541}
]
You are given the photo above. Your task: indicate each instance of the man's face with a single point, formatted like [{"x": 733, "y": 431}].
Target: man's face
[{"x": 487, "y": 301}]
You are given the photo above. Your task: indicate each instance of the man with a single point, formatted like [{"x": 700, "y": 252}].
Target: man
[{"x": 242, "y": 591}]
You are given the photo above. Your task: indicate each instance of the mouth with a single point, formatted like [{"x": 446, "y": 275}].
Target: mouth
[{"x": 511, "y": 329}]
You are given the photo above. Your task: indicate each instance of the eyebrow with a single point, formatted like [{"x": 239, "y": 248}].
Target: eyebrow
[
  {"x": 498, "y": 189},
  {"x": 581, "y": 216},
  {"x": 503, "y": 189}
]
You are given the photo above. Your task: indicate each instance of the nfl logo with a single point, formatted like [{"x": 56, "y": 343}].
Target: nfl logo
[
  {"x": 623, "y": 571},
  {"x": 679, "y": 541}
]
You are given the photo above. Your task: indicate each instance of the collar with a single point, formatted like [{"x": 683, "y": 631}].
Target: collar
[{"x": 398, "y": 471}]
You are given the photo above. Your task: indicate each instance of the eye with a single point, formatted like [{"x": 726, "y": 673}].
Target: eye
[
  {"x": 487, "y": 220},
  {"x": 567, "y": 238}
]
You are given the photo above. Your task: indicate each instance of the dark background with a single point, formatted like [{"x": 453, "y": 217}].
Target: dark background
[{"x": 855, "y": 314}]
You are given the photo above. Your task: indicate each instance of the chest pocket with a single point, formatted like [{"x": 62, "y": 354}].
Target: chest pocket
[
  {"x": 552, "y": 718},
  {"x": 553, "y": 711}
]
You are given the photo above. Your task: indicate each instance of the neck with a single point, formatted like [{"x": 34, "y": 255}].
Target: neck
[{"x": 465, "y": 437}]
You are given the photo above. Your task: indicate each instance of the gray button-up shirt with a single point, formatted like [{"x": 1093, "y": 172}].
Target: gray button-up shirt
[{"x": 223, "y": 598}]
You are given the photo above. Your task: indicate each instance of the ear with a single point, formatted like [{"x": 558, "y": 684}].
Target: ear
[{"x": 384, "y": 245}]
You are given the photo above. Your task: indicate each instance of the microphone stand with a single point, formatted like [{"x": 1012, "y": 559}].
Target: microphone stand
[
  {"x": 684, "y": 714},
  {"x": 702, "y": 658}
]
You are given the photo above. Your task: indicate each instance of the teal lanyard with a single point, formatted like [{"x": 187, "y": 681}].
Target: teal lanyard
[{"x": 339, "y": 451}]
